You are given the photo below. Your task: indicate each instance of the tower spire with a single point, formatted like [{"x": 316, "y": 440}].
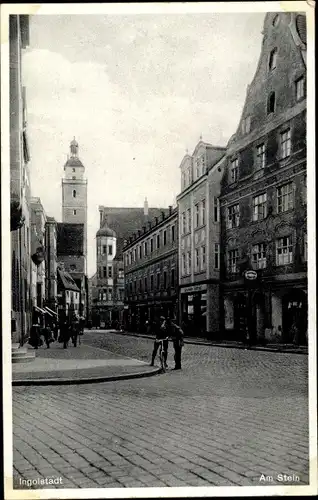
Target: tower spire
[{"x": 74, "y": 148}]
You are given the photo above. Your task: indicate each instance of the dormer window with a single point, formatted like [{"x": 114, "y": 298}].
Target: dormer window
[
  {"x": 271, "y": 103},
  {"x": 246, "y": 125},
  {"x": 300, "y": 88},
  {"x": 74, "y": 193},
  {"x": 234, "y": 170},
  {"x": 276, "y": 20},
  {"x": 272, "y": 59}
]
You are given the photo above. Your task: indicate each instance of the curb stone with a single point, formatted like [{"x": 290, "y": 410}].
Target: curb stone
[
  {"x": 225, "y": 345},
  {"x": 87, "y": 380}
]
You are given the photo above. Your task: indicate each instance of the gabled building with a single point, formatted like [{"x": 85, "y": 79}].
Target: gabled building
[
  {"x": 70, "y": 255},
  {"x": 263, "y": 198},
  {"x": 201, "y": 174}
]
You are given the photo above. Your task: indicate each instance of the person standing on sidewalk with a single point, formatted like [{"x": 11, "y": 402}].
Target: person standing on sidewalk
[{"x": 177, "y": 339}]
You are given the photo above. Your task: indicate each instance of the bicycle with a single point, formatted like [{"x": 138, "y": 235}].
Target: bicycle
[{"x": 161, "y": 354}]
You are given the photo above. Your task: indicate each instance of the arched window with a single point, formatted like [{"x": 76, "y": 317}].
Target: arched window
[
  {"x": 271, "y": 103},
  {"x": 74, "y": 193},
  {"x": 272, "y": 59}
]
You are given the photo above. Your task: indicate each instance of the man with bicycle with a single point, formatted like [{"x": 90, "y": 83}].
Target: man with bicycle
[{"x": 160, "y": 330}]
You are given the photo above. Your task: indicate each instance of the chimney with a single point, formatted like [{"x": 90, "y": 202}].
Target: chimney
[
  {"x": 139, "y": 232},
  {"x": 149, "y": 224},
  {"x": 170, "y": 209},
  {"x": 162, "y": 215},
  {"x": 145, "y": 207},
  {"x": 156, "y": 220},
  {"x": 144, "y": 228}
]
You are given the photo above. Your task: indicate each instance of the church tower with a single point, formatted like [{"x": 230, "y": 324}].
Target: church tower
[{"x": 74, "y": 193}]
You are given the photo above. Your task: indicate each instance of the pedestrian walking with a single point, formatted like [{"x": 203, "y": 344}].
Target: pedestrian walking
[
  {"x": 160, "y": 330},
  {"x": 64, "y": 331},
  {"x": 177, "y": 339},
  {"x": 35, "y": 337}
]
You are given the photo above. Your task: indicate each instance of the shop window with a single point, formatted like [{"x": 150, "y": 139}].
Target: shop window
[
  {"x": 259, "y": 207},
  {"x": 259, "y": 256},
  {"x": 284, "y": 251}
]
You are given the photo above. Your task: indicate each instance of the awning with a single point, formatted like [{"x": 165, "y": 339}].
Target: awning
[
  {"x": 50, "y": 311},
  {"x": 42, "y": 311}
]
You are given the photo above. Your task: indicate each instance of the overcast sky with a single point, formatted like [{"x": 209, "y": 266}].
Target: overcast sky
[{"x": 136, "y": 92}]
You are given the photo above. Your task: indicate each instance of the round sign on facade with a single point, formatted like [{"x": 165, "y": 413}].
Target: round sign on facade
[{"x": 250, "y": 275}]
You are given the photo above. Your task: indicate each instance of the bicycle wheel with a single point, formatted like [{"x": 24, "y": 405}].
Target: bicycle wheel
[{"x": 162, "y": 360}]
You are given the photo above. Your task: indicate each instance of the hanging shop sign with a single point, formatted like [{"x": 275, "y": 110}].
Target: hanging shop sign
[
  {"x": 193, "y": 289},
  {"x": 250, "y": 275}
]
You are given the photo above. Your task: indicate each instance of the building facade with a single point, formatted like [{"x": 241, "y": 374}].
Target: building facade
[
  {"x": 263, "y": 199},
  {"x": 109, "y": 278},
  {"x": 116, "y": 224},
  {"x": 68, "y": 293},
  {"x": 199, "y": 240},
  {"x": 151, "y": 272},
  {"x": 20, "y": 218},
  {"x": 51, "y": 263}
]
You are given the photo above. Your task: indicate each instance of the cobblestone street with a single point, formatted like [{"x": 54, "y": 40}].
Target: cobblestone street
[{"x": 227, "y": 418}]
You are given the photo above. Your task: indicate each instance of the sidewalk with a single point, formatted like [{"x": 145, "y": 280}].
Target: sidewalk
[
  {"x": 77, "y": 365},
  {"x": 287, "y": 348}
]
